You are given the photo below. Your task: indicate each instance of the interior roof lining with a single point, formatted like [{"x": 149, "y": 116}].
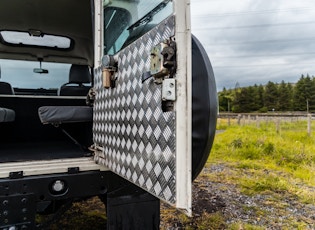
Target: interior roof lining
[{"x": 69, "y": 18}]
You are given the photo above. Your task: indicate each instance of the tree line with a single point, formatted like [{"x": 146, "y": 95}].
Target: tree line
[{"x": 299, "y": 96}]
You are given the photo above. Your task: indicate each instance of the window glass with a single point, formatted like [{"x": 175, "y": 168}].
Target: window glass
[
  {"x": 127, "y": 20},
  {"x": 20, "y": 74},
  {"x": 25, "y": 38}
]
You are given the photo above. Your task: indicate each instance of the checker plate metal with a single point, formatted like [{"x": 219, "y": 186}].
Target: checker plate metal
[{"x": 137, "y": 137}]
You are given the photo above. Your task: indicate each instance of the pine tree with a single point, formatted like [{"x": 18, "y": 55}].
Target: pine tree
[
  {"x": 271, "y": 96},
  {"x": 225, "y": 98},
  {"x": 284, "y": 98},
  {"x": 299, "y": 97},
  {"x": 252, "y": 105},
  {"x": 223, "y": 103},
  {"x": 258, "y": 97},
  {"x": 312, "y": 95},
  {"x": 291, "y": 94},
  {"x": 237, "y": 102},
  {"x": 304, "y": 92}
]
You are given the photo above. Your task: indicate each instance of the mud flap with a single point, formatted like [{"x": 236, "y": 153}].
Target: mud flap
[{"x": 132, "y": 209}]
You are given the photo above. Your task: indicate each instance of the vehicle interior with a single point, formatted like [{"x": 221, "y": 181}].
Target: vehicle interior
[
  {"x": 35, "y": 35},
  {"x": 46, "y": 70}
]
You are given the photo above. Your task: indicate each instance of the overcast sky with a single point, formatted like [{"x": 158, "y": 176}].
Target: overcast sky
[{"x": 256, "y": 41}]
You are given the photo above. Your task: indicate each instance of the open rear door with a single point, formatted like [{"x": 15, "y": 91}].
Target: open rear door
[{"x": 142, "y": 110}]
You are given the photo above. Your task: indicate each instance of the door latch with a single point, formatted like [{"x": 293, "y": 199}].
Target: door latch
[{"x": 162, "y": 61}]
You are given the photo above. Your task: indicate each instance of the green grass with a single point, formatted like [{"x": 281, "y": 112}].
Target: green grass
[
  {"x": 278, "y": 160},
  {"x": 238, "y": 226},
  {"x": 291, "y": 150},
  {"x": 206, "y": 221}
]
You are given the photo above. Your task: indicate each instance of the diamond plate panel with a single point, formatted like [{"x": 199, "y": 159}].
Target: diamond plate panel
[{"x": 137, "y": 137}]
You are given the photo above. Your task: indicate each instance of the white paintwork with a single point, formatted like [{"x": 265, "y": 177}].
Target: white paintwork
[
  {"x": 98, "y": 52},
  {"x": 35, "y": 168},
  {"x": 183, "y": 105}
]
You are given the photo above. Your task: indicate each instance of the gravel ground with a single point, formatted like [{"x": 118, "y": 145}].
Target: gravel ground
[{"x": 270, "y": 211}]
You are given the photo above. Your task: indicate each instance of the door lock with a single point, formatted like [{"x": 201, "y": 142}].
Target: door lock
[{"x": 109, "y": 67}]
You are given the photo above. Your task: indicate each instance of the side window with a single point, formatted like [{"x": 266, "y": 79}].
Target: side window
[
  {"x": 21, "y": 74},
  {"x": 127, "y": 20},
  {"x": 116, "y": 21}
]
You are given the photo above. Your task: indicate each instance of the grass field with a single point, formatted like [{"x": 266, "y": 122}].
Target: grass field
[
  {"x": 257, "y": 177},
  {"x": 272, "y": 165},
  {"x": 289, "y": 151},
  {"x": 269, "y": 159}
]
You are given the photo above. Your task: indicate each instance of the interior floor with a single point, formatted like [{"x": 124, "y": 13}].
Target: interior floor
[
  {"x": 45, "y": 150},
  {"x": 26, "y": 138}
]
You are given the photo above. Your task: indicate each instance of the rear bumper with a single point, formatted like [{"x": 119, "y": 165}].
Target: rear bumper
[
  {"x": 45, "y": 167},
  {"x": 22, "y": 198}
]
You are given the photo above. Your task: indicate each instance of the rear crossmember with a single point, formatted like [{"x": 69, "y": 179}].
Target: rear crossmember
[{"x": 127, "y": 205}]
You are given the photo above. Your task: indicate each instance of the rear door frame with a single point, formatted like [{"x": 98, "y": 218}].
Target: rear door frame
[{"x": 183, "y": 103}]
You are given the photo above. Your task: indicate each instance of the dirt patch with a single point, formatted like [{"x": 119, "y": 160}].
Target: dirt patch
[
  {"x": 221, "y": 205},
  {"x": 84, "y": 215},
  {"x": 203, "y": 201},
  {"x": 216, "y": 205}
]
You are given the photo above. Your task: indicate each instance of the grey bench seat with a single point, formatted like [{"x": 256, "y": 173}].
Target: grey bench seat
[
  {"x": 65, "y": 114},
  {"x": 7, "y": 115}
]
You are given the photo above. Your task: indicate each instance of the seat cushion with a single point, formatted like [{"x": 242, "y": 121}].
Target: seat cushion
[
  {"x": 6, "y": 115},
  {"x": 65, "y": 114}
]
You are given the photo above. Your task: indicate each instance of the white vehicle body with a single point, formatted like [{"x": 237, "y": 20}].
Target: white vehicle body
[{"x": 131, "y": 114}]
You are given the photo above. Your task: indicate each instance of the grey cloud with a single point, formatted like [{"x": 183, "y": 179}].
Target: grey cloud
[{"x": 257, "y": 41}]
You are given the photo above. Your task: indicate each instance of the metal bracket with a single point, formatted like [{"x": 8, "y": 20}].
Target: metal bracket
[
  {"x": 17, "y": 211},
  {"x": 169, "y": 89},
  {"x": 73, "y": 170},
  {"x": 168, "y": 94},
  {"x": 16, "y": 175}
]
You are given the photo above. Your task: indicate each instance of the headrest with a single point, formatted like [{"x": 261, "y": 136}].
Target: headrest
[
  {"x": 79, "y": 74},
  {"x": 6, "y": 88}
]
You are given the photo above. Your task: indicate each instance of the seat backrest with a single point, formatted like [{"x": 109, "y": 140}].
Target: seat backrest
[
  {"x": 78, "y": 76},
  {"x": 6, "y": 88}
]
